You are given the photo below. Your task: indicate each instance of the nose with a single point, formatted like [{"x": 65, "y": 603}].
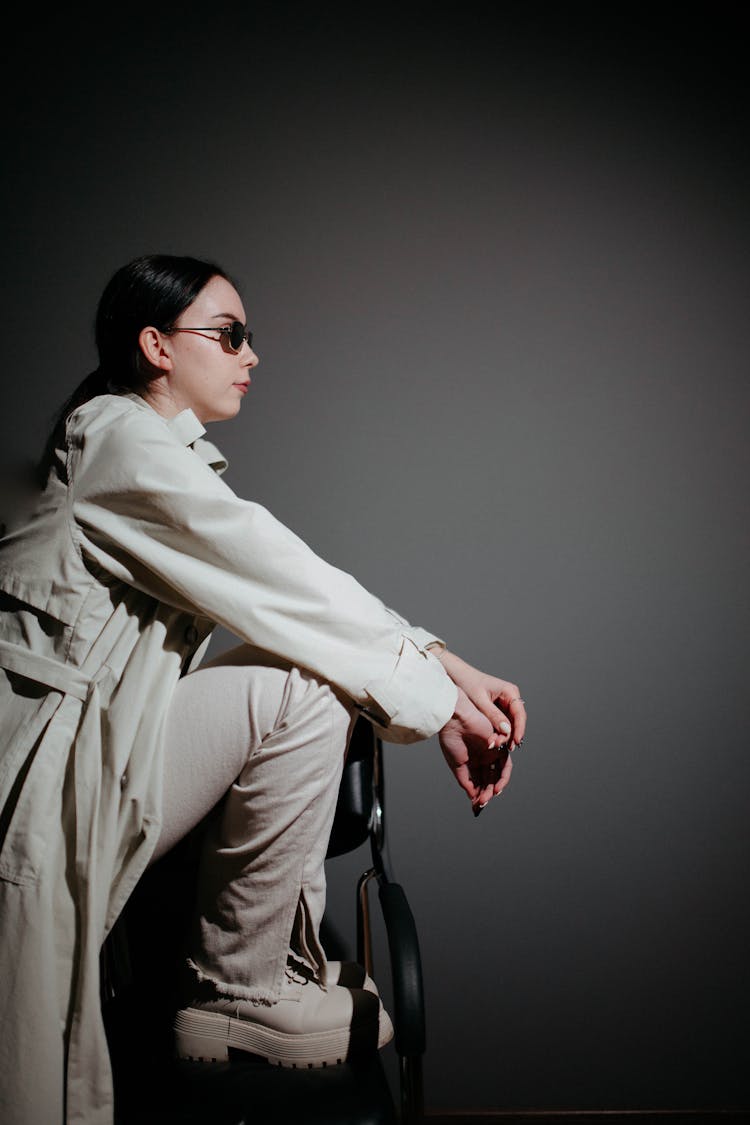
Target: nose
[{"x": 250, "y": 359}]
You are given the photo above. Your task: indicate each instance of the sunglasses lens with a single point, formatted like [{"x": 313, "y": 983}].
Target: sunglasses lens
[{"x": 236, "y": 335}]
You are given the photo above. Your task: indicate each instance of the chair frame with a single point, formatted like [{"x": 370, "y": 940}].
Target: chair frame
[{"x": 404, "y": 950}]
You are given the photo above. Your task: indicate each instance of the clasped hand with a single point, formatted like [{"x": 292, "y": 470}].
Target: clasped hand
[{"x": 488, "y": 723}]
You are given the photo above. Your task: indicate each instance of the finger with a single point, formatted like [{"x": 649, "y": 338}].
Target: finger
[
  {"x": 500, "y": 772},
  {"x": 499, "y": 719},
  {"x": 515, "y": 709},
  {"x": 504, "y": 778},
  {"x": 518, "y": 718},
  {"x": 487, "y": 789},
  {"x": 482, "y": 771},
  {"x": 483, "y": 798},
  {"x": 466, "y": 781}
]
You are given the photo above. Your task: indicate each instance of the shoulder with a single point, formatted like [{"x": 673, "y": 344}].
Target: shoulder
[
  {"x": 117, "y": 412},
  {"x": 119, "y": 429},
  {"x": 120, "y": 442}
]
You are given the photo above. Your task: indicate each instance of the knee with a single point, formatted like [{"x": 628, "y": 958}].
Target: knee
[
  {"x": 283, "y": 698},
  {"x": 315, "y": 695}
]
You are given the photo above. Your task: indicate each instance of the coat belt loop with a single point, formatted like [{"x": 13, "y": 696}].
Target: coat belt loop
[{"x": 61, "y": 677}]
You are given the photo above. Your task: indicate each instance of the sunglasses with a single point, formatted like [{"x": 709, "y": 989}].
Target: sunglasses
[{"x": 234, "y": 334}]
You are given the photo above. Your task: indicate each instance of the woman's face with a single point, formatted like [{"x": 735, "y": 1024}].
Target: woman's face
[{"x": 201, "y": 372}]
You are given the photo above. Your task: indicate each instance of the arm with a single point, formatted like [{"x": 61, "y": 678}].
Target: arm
[{"x": 153, "y": 515}]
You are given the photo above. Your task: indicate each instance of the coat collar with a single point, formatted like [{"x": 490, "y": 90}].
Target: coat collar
[{"x": 189, "y": 431}]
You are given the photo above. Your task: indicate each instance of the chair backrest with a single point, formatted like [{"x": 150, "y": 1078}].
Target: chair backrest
[{"x": 358, "y": 794}]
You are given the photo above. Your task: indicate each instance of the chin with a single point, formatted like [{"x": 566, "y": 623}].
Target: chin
[{"x": 225, "y": 414}]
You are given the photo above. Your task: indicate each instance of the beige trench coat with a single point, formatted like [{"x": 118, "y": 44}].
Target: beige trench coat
[{"x": 109, "y": 589}]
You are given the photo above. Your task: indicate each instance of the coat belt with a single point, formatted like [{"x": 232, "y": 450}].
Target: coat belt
[{"x": 42, "y": 669}]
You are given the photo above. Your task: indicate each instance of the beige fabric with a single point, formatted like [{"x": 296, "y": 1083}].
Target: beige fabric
[
  {"x": 276, "y": 739},
  {"x": 109, "y": 590}
]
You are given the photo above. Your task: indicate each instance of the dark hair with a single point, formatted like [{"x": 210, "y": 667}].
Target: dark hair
[{"x": 152, "y": 289}]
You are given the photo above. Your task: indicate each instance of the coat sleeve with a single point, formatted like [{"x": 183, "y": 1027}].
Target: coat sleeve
[{"x": 151, "y": 513}]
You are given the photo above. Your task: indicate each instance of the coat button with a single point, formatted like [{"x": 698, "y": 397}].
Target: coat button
[
  {"x": 191, "y": 634},
  {"x": 123, "y": 781}
]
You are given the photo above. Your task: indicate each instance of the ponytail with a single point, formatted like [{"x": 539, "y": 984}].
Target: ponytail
[{"x": 95, "y": 383}]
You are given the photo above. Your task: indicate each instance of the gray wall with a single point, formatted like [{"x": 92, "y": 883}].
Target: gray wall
[{"x": 498, "y": 275}]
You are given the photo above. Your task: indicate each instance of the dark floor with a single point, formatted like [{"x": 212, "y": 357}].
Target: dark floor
[
  {"x": 242, "y": 1093},
  {"x": 592, "y": 1117},
  {"x": 152, "y": 1087}
]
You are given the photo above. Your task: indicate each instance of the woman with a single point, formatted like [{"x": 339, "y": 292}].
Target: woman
[{"x": 115, "y": 743}]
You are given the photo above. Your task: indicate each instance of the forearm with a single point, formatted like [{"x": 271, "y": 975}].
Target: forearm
[{"x": 454, "y": 665}]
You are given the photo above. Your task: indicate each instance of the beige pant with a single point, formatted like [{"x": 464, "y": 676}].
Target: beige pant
[{"x": 270, "y": 740}]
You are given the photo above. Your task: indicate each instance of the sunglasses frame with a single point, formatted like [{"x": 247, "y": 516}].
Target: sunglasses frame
[{"x": 226, "y": 331}]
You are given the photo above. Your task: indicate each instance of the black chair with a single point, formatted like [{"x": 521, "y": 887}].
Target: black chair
[{"x": 140, "y": 989}]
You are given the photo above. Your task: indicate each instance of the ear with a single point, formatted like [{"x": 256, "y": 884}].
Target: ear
[{"x": 155, "y": 347}]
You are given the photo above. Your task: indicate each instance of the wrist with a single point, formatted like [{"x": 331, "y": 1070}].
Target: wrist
[
  {"x": 450, "y": 662},
  {"x": 463, "y": 707}
]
